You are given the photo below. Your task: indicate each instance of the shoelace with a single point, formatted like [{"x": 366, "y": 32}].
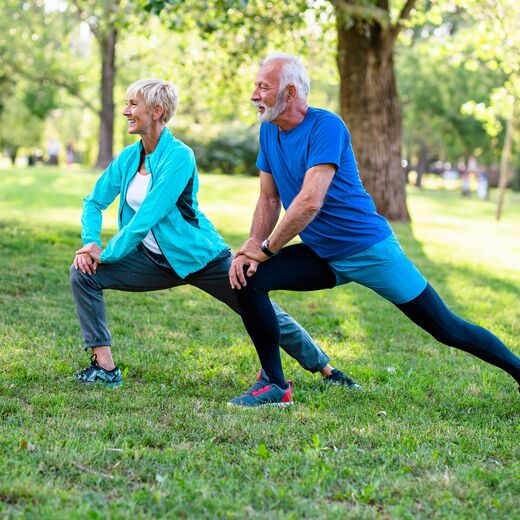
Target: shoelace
[{"x": 93, "y": 365}]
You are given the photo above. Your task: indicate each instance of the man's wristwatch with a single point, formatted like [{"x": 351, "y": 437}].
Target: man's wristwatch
[{"x": 265, "y": 248}]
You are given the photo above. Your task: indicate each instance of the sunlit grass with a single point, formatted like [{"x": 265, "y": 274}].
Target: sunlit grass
[{"x": 435, "y": 433}]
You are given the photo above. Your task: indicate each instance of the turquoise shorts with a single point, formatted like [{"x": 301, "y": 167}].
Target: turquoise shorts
[{"x": 385, "y": 269}]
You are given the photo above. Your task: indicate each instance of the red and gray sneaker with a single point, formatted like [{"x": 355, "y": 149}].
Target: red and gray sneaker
[
  {"x": 261, "y": 381},
  {"x": 267, "y": 395}
]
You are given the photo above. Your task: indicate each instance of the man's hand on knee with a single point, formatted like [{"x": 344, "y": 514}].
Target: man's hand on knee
[{"x": 237, "y": 274}]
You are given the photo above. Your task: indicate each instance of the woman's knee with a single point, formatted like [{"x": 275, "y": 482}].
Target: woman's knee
[{"x": 77, "y": 277}]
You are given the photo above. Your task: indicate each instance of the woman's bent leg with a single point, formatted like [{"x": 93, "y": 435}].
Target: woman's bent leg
[
  {"x": 294, "y": 268},
  {"x": 136, "y": 272},
  {"x": 430, "y": 312}
]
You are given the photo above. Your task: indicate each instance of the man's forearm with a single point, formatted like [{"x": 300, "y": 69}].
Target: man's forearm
[
  {"x": 265, "y": 218},
  {"x": 299, "y": 215}
]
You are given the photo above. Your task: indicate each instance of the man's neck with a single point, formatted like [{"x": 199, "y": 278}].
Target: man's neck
[{"x": 291, "y": 117}]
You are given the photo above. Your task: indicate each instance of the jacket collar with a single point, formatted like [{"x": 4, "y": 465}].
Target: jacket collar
[{"x": 165, "y": 141}]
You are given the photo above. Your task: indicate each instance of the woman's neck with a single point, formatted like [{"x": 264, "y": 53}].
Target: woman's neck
[{"x": 151, "y": 139}]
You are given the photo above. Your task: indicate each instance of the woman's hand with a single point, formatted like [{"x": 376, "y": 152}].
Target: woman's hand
[
  {"x": 88, "y": 258},
  {"x": 85, "y": 263}
]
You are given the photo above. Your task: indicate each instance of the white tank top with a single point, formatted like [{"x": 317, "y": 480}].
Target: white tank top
[{"x": 134, "y": 197}]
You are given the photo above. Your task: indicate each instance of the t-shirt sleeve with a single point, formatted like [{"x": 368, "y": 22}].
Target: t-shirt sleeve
[
  {"x": 262, "y": 162},
  {"x": 328, "y": 140}
]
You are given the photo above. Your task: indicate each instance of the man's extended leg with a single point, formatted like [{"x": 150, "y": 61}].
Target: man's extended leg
[
  {"x": 430, "y": 313},
  {"x": 294, "y": 339}
]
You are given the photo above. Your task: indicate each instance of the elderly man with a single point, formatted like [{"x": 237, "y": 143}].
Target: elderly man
[{"x": 306, "y": 161}]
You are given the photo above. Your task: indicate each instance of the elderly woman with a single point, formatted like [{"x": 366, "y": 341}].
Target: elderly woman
[{"x": 163, "y": 240}]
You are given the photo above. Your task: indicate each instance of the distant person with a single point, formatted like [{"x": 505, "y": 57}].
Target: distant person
[
  {"x": 306, "y": 161},
  {"x": 53, "y": 150},
  {"x": 70, "y": 154},
  {"x": 483, "y": 185},
  {"x": 465, "y": 184},
  {"x": 164, "y": 240}
]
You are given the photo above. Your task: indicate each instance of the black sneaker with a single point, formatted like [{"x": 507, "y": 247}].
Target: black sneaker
[
  {"x": 96, "y": 374},
  {"x": 337, "y": 377}
]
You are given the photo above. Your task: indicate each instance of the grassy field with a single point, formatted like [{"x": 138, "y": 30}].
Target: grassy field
[{"x": 434, "y": 434}]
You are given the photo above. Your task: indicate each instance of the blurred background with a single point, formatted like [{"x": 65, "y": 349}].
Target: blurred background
[{"x": 429, "y": 89}]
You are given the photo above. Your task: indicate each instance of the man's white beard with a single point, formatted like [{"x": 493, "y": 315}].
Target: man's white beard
[{"x": 271, "y": 113}]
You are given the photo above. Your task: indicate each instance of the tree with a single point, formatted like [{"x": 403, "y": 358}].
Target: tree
[
  {"x": 495, "y": 41},
  {"x": 368, "y": 97},
  {"x": 104, "y": 18},
  {"x": 42, "y": 45},
  {"x": 434, "y": 87}
]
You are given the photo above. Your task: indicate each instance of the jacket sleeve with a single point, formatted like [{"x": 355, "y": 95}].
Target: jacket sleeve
[
  {"x": 106, "y": 189},
  {"x": 170, "y": 180}
]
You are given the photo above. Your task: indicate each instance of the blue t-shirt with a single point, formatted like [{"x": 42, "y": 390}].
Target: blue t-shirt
[{"x": 347, "y": 222}]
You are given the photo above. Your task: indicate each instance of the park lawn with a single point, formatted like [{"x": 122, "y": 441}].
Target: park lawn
[{"x": 434, "y": 433}]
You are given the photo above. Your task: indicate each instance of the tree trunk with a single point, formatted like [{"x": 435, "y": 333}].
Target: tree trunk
[
  {"x": 422, "y": 164},
  {"x": 370, "y": 106},
  {"x": 13, "y": 152},
  {"x": 107, "y": 44},
  {"x": 503, "y": 180}
]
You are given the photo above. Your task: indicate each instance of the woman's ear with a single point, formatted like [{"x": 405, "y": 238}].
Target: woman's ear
[{"x": 157, "y": 112}]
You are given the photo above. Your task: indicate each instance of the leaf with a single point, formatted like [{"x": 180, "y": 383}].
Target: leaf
[{"x": 262, "y": 451}]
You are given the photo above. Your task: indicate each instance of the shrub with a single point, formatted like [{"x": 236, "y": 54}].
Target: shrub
[{"x": 233, "y": 151}]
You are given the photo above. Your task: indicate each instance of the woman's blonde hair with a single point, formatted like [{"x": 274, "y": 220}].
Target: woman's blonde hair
[{"x": 156, "y": 92}]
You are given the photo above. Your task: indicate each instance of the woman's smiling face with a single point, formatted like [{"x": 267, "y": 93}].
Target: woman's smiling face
[{"x": 140, "y": 120}]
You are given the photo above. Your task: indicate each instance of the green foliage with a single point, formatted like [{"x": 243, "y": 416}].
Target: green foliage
[
  {"x": 232, "y": 151},
  {"x": 166, "y": 446},
  {"x": 434, "y": 89}
]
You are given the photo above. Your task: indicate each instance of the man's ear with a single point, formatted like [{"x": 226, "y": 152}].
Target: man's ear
[{"x": 291, "y": 92}]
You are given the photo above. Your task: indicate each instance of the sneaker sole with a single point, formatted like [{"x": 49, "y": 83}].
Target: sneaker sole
[
  {"x": 351, "y": 387},
  {"x": 272, "y": 405},
  {"x": 101, "y": 383}
]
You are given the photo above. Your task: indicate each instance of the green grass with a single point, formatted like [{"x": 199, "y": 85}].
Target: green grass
[{"x": 435, "y": 433}]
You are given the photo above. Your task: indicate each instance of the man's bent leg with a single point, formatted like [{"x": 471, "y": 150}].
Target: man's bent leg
[
  {"x": 294, "y": 268},
  {"x": 294, "y": 339}
]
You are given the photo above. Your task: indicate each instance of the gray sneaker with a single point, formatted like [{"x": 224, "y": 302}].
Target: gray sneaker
[
  {"x": 337, "y": 377},
  {"x": 96, "y": 374},
  {"x": 268, "y": 395}
]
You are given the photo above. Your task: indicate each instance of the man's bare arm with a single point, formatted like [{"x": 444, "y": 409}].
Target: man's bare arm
[
  {"x": 306, "y": 205},
  {"x": 300, "y": 213}
]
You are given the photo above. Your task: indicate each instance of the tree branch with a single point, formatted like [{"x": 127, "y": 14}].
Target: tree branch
[
  {"x": 355, "y": 11},
  {"x": 55, "y": 81},
  {"x": 403, "y": 15},
  {"x": 406, "y": 10}
]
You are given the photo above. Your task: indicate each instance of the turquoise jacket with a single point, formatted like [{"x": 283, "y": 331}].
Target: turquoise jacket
[{"x": 185, "y": 236}]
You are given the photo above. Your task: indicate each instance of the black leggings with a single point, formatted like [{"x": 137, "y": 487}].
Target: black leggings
[{"x": 298, "y": 268}]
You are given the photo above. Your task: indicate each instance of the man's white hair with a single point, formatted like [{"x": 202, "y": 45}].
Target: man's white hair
[
  {"x": 156, "y": 92},
  {"x": 293, "y": 72}
]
